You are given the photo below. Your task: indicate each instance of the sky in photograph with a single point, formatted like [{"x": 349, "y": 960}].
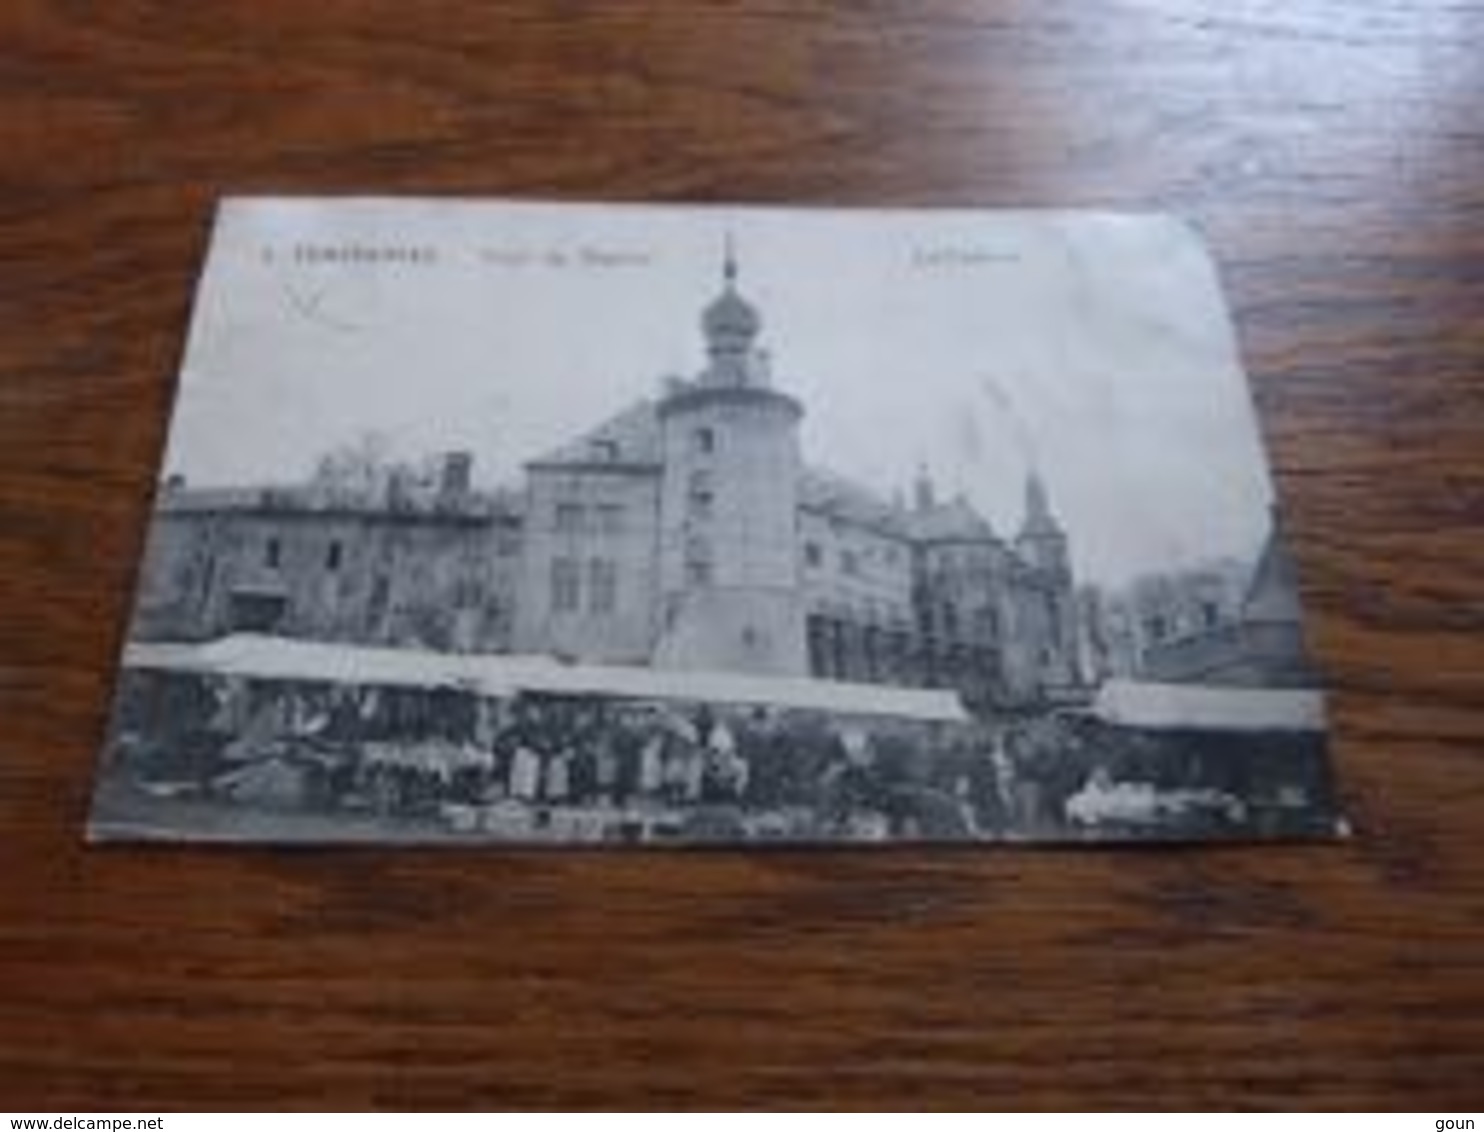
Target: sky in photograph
[{"x": 1094, "y": 348}]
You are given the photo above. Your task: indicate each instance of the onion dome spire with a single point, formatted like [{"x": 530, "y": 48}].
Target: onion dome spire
[{"x": 730, "y": 324}]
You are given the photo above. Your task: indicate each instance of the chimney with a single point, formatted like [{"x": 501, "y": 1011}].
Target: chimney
[
  {"x": 399, "y": 490},
  {"x": 456, "y": 476},
  {"x": 922, "y": 490}
]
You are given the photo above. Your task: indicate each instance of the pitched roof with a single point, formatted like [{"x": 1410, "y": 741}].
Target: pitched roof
[
  {"x": 840, "y": 498},
  {"x": 1272, "y": 595},
  {"x": 303, "y": 499},
  {"x": 629, "y": 438},
  {"x": 200, "y": 500},
  {"x": 956, "y": 521}
]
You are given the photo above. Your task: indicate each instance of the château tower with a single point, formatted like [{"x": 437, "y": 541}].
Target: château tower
[{"x": 728, "y": 530}]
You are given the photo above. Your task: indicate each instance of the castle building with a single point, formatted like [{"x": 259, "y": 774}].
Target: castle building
[{"x": 685, "y": 531}]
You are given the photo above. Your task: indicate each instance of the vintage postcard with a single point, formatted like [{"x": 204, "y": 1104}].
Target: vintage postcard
[{"x": 509, "y": 522}]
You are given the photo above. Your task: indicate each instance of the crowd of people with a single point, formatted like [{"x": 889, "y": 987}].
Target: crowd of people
[
  {"x": 553, "y": 752},
  {"x": 419, "y": 753},
  {"x": 406, "y": 752}
]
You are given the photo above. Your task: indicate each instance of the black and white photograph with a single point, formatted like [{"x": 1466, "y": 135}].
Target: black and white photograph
[{"x": 537, "y": 523}]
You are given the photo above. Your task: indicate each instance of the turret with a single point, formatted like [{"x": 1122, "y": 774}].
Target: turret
[
  {"x": 1042, "y": 545},
  {"x": 1041, "y": 541}
]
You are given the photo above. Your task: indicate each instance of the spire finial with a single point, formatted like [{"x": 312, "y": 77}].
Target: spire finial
[
  {"x": 923, "y": 495},
  {"x": 1035, "y": 494},
  {"x": 1038, "y": 518},
  {"x": 730, "y": 325}
]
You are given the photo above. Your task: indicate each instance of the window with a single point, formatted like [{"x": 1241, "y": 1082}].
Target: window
[
  {"x": 333, "y": 555},
  {"x": 569, "y": 517},
  {"x": 256, "y": 613},
  {"x": 704, "y": 440},
  {"x": 1210, "y": 614},
  {"x": 850, "y": 562},
  {"x": 272, "y": 554},
  {"x": 605, "y": 449},
  {"x": 610, "y": 518},
  {"x": 208, "y": 579},
  {"x": 700, "y": 496},
  {"x": 602, "y": 585},
  {"x": 376, "y": 607},
  {"x": 813, "y": 555},
  {"x": 948, "y": 615},
  {"x": 1155, "y": 628},
  {"x": 986, "y": 624},
  {"x": 566, "y": 585},
  {"x": 697, "y": 562}
]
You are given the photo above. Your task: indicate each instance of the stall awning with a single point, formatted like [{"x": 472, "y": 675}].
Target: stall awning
[
  {"x": 285, "y": 659},
  {"x": 264, "y": 657},
  {"x": 1139, "y": 703},
  {"x": 836, "y": 697}
]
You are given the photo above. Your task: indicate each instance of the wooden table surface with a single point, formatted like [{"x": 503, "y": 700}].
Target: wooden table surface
[{"x": 1332, "y": 151}]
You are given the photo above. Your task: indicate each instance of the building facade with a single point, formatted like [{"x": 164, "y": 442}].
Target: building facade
[
  {"x": 1224, "y": 623},
  {"x": 405, "y": 567},
  {"x": 686, "y": 531}
]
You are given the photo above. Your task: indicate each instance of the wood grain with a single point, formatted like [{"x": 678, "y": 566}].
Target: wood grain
[{"x": 1333, "y": 152}]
